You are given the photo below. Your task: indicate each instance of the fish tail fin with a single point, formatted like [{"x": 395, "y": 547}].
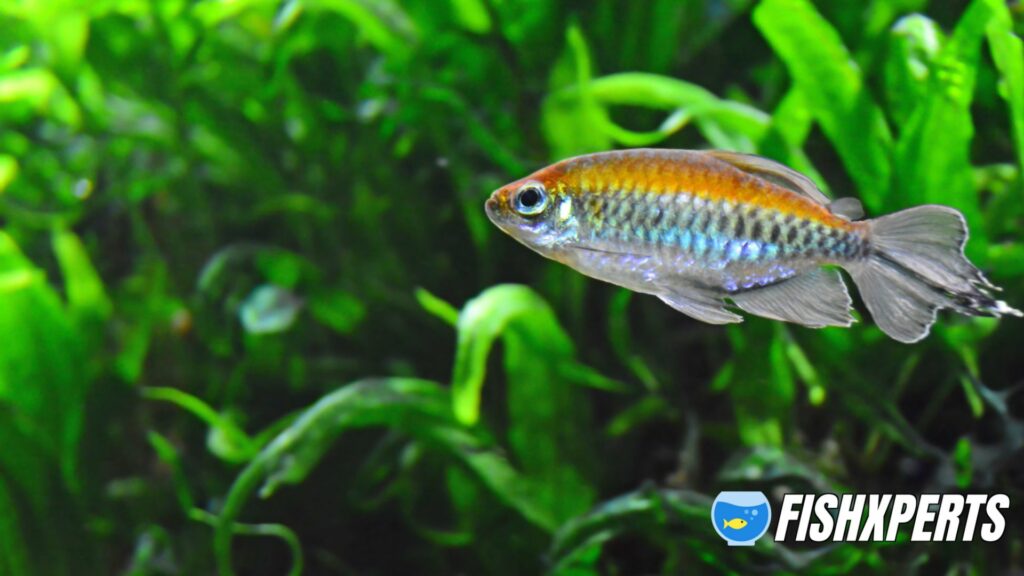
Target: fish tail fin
[
  {"x": 915, "y": 266},
  {"x": 725, "y": 523}
]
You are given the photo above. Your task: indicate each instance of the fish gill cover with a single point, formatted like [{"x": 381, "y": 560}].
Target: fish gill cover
[{"x": 256, "y": 321}]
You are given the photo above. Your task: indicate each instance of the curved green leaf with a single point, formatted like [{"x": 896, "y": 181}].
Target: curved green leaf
[
  {"x": 548, "y": 413},
  {"x": 481, "y": 322},
  {"x": 416, "y": 407}
]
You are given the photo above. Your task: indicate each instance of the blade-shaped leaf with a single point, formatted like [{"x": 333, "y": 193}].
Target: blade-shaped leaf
[
  {"x": 832, "y": 86},
  {"x": 1008, "y": 53},
  {"x": 42, "y": 375},
  {"x": 933, "y": 153}
]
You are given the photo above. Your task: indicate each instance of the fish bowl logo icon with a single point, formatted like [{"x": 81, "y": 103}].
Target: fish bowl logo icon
[{"x": 740, "y": 518}]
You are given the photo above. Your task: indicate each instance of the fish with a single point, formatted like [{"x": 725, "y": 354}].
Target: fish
[
  {"x": 712, "y": 233},
  {"x": 735, "y": 523}
]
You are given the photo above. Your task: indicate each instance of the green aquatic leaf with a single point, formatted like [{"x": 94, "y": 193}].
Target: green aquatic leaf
[
  {"x": 546, "y": 410},
  {"x": 1008, "y": 53},
  {"x": 1007, "y": 258},
  {"x": 14, "y": 58},
  {"x": 168, "y": 454},
  {"x": 85, "y": 292},
  {"x": 804, "y": 368},
  {"x": 39, "y": 91},
  {"x": 43, "y": 348},
  {"x": 342, "y": 311},
  {"x": 760, "y": 382},
  {"x": 437, "y": 307},
  {"x": 726, "y": 124},
  {"x": 383, "y": 23},
  {"x": 963, "y": 463},
  {"x": 931, "y": 174},
  {"x": 620, "y": 337},
  {"x": 580, "y": 537},
  {"x": 8, "y": 171},
  {"x": 482, "y": 321},
  {"x": 226, "y": 439},
  {"x": 915, "y": 43},
  {"x": 37, "y": 514},
  {"x": 34, "y": 86},
  {"x": 572, "y": 123},
  {"x": 649, "y": 408},
  {"x": 833, "y": 88},
  {"x": 279, "y": 531},
  {"x": 791, "y": 123},
  {"x": 473, "y": 15},
  {"x": 419, "y": 408},
  {"x": 659, "y": 516}
]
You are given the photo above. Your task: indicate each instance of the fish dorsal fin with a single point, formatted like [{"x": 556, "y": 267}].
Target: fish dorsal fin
[
  {"x": 773, "y": 172},
  {"x": 849, "y": 208}
]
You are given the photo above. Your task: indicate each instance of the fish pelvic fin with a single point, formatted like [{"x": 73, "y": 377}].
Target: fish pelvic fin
[
  {"x": 915, "y": 267},
  {"x": 696, "y": 302}
]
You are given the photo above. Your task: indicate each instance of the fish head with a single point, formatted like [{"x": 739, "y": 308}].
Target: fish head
[{"x": 536, "y": 211}]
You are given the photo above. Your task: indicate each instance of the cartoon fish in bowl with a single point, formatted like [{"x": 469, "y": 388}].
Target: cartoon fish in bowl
[
  {"x": 735, "y": 524},
  {"x": 740, "y": 518}
]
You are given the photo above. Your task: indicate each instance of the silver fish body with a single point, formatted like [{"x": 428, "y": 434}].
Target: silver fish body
[{"x": 699, "y": 229}]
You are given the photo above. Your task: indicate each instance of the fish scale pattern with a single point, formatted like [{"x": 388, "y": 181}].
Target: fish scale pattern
[{"x": 715, "y": 232}]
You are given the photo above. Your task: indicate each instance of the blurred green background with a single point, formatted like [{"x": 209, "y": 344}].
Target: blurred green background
[{"x": 253, "y": 319}]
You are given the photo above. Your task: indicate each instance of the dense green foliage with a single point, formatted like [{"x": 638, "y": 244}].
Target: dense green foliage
[{"x": 255, "y": 320}]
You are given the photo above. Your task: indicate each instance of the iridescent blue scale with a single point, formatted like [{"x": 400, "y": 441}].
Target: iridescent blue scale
[
  {"x": 751, "y": 250},
  {"x": 685, "y": 240},
  {"x": 736, "y": 250},
  {"x": 700, "y": 244}
]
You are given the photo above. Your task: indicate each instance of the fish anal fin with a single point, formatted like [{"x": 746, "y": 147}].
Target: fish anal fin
[
  {"x": 814, "y": 299},
  {"x": 773, "y": 172},
  {"x": 703, "y": 304}
]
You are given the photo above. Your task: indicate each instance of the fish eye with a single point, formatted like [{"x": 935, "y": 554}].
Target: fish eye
[{"x": 530, "y": 200}]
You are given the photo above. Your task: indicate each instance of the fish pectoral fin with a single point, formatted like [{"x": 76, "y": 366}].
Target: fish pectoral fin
[
  {"x": 814, "y": 299},
  {"x": 773, "y": 172},
  {"x": 703, "y": 304}
]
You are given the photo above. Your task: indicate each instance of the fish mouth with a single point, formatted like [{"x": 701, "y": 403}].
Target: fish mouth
[{"x": 491, "y": 206}]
